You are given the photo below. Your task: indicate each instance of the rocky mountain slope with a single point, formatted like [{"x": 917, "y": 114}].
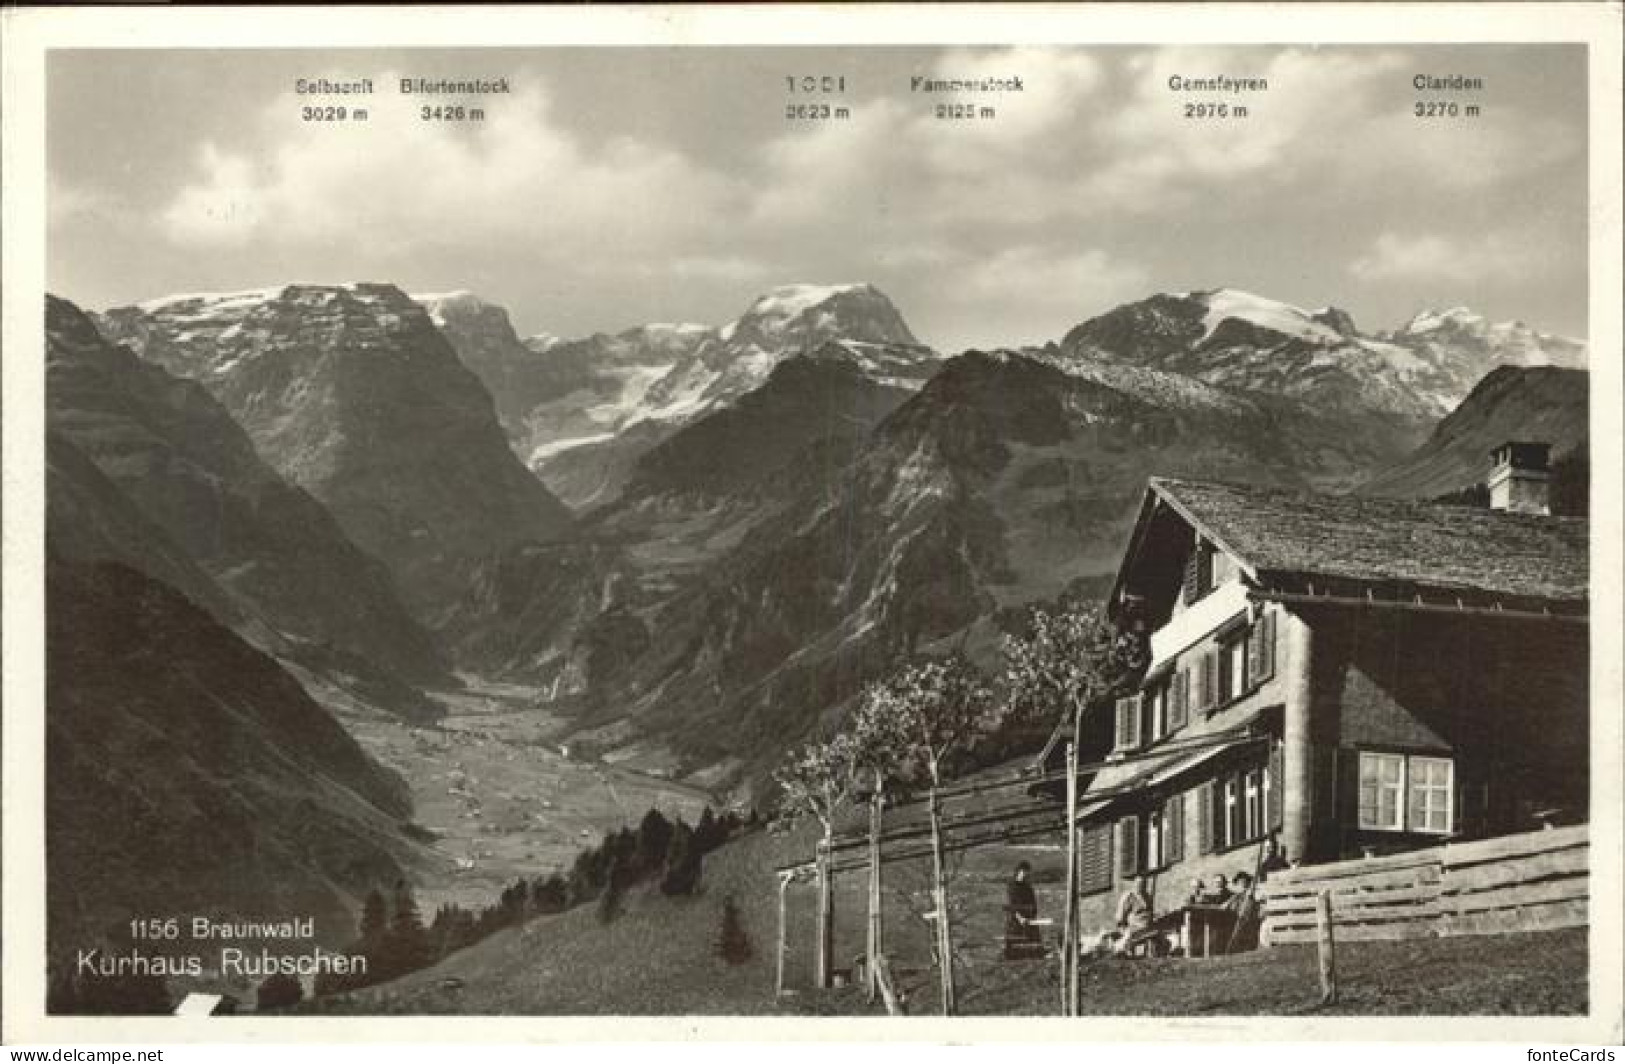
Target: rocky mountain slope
[
  {"x": 210, "y": 786},
  {"x": 582, "y": 412},
  {"x": 1246, "y": 343},
  {"x": 776, "y": 510},
  {"x": 353, "y": 394},
  {"x": 1004, "y": 480},
  {"x": 576, "y": 616},
  {"x": 1544, "y": 403},
  {"x": 177, "y": 455},
  {"x": 88, "y": 519}
]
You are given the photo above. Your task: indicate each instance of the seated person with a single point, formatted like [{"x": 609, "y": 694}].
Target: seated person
[
  {"x": 1198, "y": 894},
  {"x": 1220, "y": 894},
  {"x": 1134, "y": 920},
  {"x": 1273, "y": 860}
]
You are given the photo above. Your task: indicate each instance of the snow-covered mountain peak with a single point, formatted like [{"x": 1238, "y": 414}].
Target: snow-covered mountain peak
[
  {"x": 1429, "y": 320},
  {"x": 444, "y": 305},
  {"x": 801, "y": 315},
  {"x": 1284, "y": 318}
]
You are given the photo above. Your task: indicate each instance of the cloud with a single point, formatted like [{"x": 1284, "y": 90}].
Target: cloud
[
  {"x": 1026, "y": 294},
  {"x": 1433, "y": 259},
  {"x": 1087, "y": 187},
  {"x": 405, "y": 183}
]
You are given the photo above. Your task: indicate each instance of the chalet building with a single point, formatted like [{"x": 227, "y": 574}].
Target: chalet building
[{"x": 1344, "y": 675}]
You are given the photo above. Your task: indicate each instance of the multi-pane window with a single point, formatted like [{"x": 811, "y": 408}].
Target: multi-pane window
[
  {"x": 1157, "y": 710},
  {"x": 1154, "y": 839},
  {"x": 1405, "y": 793},
  {"x": 1431, "y": 787},
  {"x": 1252, "y": 809},
  {"x": 1382, "y": 791},
  {"x": 1232, "y": 832},
  {"x": 1235, "y": 668},
  {"x": 1235, "y": 808}
]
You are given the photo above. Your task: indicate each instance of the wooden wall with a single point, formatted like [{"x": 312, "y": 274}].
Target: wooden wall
[{"x": 1530, "y": 882}]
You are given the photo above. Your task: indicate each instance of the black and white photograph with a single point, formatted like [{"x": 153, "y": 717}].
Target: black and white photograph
[{"x": 921, "y": 523}]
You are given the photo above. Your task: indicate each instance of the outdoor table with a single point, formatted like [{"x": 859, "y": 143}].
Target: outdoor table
[{"x": 1212, "y": 922}]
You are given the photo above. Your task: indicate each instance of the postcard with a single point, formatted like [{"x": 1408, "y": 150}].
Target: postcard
[{"x": 1075, "y": 522}]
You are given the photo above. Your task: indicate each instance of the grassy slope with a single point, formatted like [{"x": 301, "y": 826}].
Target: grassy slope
[{"x": 658, "y": 958}]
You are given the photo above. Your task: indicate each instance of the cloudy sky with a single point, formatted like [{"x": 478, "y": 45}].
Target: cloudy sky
[{"x": 615, "y": 187}]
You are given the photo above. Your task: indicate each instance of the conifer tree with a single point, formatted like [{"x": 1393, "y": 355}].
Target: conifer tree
[
  {"x": 683, "y": 861},
  {"x": 609, "y": 902},
  {"x": 733, "y": 944},
  {"x": 374, "y": 918}
]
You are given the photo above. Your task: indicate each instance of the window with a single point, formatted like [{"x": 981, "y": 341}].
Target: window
[
  {"x": 1252, "y": 809},
  {"x": 1231, "y": 832},
  {"x": 1399, "y": 792},
  {"x": 1235, "y": 808},
  {"x": 1153, "y": 839},
  {"x": 1157, "y": 710},
  {"x": 1158, "y": 837},
  {"x": 1431, "y": 788}
]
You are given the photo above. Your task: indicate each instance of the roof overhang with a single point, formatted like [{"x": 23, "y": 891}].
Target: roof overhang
[{"x": 1159, "y": 494}]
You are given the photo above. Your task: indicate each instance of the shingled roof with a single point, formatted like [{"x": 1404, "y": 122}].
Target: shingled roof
[{"x": 1287, "y": 537}]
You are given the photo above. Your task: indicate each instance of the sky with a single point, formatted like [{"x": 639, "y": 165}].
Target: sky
[{"x": 614, "y": 187}]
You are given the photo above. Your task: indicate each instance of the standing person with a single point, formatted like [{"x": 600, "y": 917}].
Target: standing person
[
  {"x": 1243, "y": 905},
  {"x": 1022, "y": 938}
]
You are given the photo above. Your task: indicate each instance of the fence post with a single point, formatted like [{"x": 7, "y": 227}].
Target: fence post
[
  {"x": 872, "y": 954},
  {"x": 778, "y": 974},
  {"x": 823, "y": 959},
  {"x": 1069, "y": 928},
  {"x": 1328, "y": 948}
]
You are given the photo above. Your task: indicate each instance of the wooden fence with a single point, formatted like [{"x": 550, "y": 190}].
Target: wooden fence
[{"x": 1530, "y": 882}]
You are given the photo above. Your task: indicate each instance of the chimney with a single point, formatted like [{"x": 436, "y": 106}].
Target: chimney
[{"x": 1520, "y": 475}]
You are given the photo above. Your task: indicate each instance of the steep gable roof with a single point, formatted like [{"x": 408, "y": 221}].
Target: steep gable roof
[{"x": 1286, "y": 539}]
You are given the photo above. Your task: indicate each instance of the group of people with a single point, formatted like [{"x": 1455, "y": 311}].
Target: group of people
[{"x": 1137, "y": 924}]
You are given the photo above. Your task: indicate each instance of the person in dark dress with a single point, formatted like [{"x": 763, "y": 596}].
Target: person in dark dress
[
  {"x": 1022, "y": 936},
  {"x": 1243, "y": 905}
]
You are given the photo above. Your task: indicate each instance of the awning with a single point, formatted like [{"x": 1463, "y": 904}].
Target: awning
[{"x": 1135, "y": 778}]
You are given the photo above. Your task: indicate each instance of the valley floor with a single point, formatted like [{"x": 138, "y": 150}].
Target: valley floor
[{"x": 491, "y": 782}]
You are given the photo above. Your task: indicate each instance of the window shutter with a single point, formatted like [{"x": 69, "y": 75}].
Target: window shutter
[
  {"x": 1120, "y": 735},
  {"x": 1255, "y": 652},
  {"x": 1276, "y": 814},
  {"x": 1226, "y": 666},
  {"x": 1204, "y": 818},
  {"x": 1191, "y": 573},
  {"x": 1136, "y": 719},
  {"x": 1178, "y": 692},
  {"x": 1173, "y": 819},
  {"x": 1210, "y": 679},
  {"x": 1095, "y": 858},
  {"x": 1128, "y": 847},
  {"x": 1264, "y": 668}
]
